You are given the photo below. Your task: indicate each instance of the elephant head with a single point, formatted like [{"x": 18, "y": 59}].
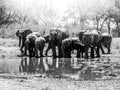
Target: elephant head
[
  {"x": 21, "y": 34},
  {"x": 56, "y": 37}
]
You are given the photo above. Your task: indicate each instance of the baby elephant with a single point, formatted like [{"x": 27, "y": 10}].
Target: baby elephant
[
  {"x": 72, "y": 43},
  {"x": 39, "y": 46}
]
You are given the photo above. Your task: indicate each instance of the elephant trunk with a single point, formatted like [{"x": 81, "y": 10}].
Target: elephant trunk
[
  {"x": 20, "y": 41},
  {"x": 62, "y": 48}
]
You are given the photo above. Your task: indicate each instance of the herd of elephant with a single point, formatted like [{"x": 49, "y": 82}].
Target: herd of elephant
[{"x": 34, "y": 43}]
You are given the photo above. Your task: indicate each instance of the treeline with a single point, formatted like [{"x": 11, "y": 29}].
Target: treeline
[{"x": 101, "y": 16}]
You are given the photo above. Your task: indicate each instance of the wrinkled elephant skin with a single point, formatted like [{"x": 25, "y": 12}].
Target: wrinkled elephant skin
[{"x": 39, "y": 46}]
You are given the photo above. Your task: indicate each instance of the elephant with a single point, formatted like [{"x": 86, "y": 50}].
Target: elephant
[
  {"x": 91, "y": 39},
  {"x": 28, "y": 65},
  {"x": 56, "y": 37},
  {"x": 22, "y": 34},
  {"x": 48, "y": 40},
  {"x": 39, "y": 46},
  {"x": 69, "y": 44},
  {"x": 30, "y": 44},
  {"x": 106, "y": 42}
]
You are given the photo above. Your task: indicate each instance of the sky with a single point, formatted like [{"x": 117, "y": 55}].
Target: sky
[{"x": 61, "y": 5}]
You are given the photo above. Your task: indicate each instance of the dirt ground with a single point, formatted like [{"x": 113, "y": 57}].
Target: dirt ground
[{"x": 22, "y": 81}]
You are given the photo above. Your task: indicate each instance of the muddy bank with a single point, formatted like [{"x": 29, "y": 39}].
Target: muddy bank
[{"x": 23, "y": 82}]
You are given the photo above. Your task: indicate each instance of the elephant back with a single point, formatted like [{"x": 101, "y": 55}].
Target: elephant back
[
  {"x": 75, "y": 40},
  {"x": 67, "y": 42},
  {"x": 31, "y": 38},
  {"x": 62, "y": 34},
  {"x": 37, "y": 34},
  {"x": 40, "y": 41},
  {"x": 24, "y": 33},
  {"x": 27, "y": 31}
]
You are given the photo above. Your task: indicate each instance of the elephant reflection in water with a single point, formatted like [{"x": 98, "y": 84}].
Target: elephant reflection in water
[
  {"x": 58, "y": 66},
  {"x": 53, "y": 67},
  {"x": 28, "y": 65},
  {"x": 23, "y": 66},
  {"x": 46, "y": 65}
]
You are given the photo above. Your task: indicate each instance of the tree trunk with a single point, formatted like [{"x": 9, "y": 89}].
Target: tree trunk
[
  {"x": 118, "y": 28},
  {"x": 108, "y": 25}
]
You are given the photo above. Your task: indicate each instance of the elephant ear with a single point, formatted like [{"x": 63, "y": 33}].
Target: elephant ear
[{"x": 17, "y": 33}]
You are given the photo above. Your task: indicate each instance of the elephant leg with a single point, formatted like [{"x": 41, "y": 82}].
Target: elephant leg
[
  {"x": 92, "y": 52},
  {"x": 86, "y": 51},
  {"x": 60, "y": 52},
  {"x": 98, "y": 51},
  {"x": 54, "y": 50},
  {"x": 69, "y": 53},
  {"x": 108, "y": 49},
  {"x": 41, "y": 51},
  {"x": 21, "y": 48},
  {"x": 25, "y": 49},
  {"x": 82, "y": 54},
  {"x": 78, "y": 54},
  {"x": 48, "y": 48},
  {"x": 30, "y": 51},
  {"x": 101, "y": 47},
  {"x": 36, "y": 50},
  {"x": 65, "y": 52}
]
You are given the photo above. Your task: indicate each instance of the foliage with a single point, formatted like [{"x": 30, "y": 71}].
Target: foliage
[{"x": 101, "y": 15}]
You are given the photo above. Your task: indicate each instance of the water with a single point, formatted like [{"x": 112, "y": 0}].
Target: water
[{"x": 77, "y": 68}]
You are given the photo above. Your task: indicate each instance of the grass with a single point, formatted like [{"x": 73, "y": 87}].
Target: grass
[
  {"x": 8, "y": 42},
  {"x": 115, "y": 43}
]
